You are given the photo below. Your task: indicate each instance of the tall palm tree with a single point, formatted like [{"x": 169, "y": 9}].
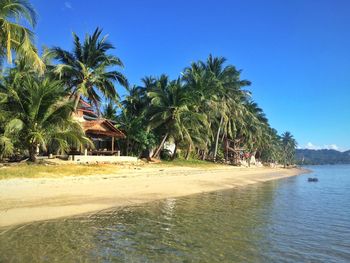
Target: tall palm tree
[
  {"x": 42, "y": 113},
  {"x": 17, "y": 38},
  {"x": 217, "y": 87},
  {"x": 288, "y": 147},
  {"x": 87, "y": 69},
  {"x": 228, "y": 92}
]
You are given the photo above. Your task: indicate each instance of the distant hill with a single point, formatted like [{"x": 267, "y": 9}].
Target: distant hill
[{"x": 306, "y": 156}]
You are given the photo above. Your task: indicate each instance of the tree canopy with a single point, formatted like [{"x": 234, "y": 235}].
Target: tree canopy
[{"x": 208, "y": 112}]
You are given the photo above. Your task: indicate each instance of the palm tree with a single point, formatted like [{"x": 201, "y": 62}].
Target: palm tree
[
  {"x": 165, "y": 107},
  {"x": 288, "y": 147},
  {"x": 136, "y": 101},
  {"x": 16, "y": 38},
  {"x": 271, "y": 150},
  {"x": 255, "y": 126},
  {"x": 110, "y": 111},
  {"x": 170, "y": 113},
  {"x": 86, "y": 70},
  {"x": 228, "y": 90},
  {"x": 8, "y": 137},
  {"x": 217, "y": 87},
  {"x": 41, "y": 111}
]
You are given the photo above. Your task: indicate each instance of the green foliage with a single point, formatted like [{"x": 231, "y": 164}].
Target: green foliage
[
  {"x": 16, "y": 38},
  {"x": 110, "y": 111},
  {"x": 206, "y": 112},
  {"x": 6, "y": 147},
  {"x": 138, "y": 138},
  {"x": 288, "y": 148},
  {"x": 88, "y": 70},
  {"x": 172, "y": 113},
  {"x": 198, "y": 112},
  {"x": 38, "y": 114},
  {"x": 166, "y": 155}
]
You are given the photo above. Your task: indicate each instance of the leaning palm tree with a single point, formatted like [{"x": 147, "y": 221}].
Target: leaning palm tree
[
  {"x": 41, "y": 111},
  {"x": 171, "y": 114},
  {"x": 86, "y": 71},
  {"x": 17, "y": 38},
  {"x": 167, "y": 101}
]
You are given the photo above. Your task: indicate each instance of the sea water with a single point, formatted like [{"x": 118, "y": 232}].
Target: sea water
[{"x": 287, "y": 220}]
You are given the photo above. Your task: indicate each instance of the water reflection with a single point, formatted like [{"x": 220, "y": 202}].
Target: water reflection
[{"x": 279, "y": 221}]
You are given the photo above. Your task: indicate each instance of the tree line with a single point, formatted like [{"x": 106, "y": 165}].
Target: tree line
[{"x": 206, "y": 113}]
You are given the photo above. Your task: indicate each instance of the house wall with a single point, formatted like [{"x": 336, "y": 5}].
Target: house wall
[{"x": 170, "y": 146}]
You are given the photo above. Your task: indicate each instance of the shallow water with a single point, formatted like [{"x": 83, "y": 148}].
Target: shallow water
[{"x": 288, "y": 220}]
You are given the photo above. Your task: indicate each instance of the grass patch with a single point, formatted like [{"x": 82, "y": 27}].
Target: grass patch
[
  {"x": 190, "y": 163},
  {"x": 26, "y": 170},
  {"x": 53, "y": 171}
]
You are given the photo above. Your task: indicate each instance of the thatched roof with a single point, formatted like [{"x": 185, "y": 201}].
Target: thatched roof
[{"x": 102, "y": 127}]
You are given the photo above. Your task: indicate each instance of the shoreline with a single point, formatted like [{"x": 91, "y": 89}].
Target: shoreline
[{"x": 35, "y": 199}]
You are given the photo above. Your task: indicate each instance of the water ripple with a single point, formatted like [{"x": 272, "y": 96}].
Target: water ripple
[{"x": 288, "y": 220}]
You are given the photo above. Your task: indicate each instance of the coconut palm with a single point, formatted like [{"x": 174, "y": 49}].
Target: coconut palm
[
  {"x": 228, "y": 94},
  {"x": 136, "y": 100},
  {"x": 110, "y": 111},
  {"x": 271, "y": 150},
  {"x": 87, "y": 70},
  {"x": 166, "y": 103},
  {"x": 8, "y": 137},
  {"x": 17, "y": 38},
  {"x": 218, "y": 90},
  {"x": 41, "y": 110},
  {"x": 255, "y": 127},
  {"x": 171, "y": 114},
  {"x": 288, "y": 148}
]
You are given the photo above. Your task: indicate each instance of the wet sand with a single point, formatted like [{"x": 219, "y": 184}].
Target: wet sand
[{"x": 28, "y": 200}]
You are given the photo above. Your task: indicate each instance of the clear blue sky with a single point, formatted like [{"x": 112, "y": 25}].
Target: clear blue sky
[{"x": 296, "y": 52}]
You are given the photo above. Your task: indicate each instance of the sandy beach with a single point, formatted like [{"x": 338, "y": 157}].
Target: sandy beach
[{"x": 34, "y": 199}]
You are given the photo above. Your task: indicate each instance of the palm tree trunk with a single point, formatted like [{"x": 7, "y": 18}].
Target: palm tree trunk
[
  {"x": 156, "y": 154},
  {"x": 174, "y": 153},
  {"x": 217, "y": 138},
  {"x": 203, "y": 156},
  {"x": 188, "y": 152},
  {"x": 32, "y": 153},
  {"x": 127, "y": 146},
  {"x": 226, "y": 144}
]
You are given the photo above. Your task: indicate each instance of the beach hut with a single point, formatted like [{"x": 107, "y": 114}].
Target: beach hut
[{"x": 101, "y": 131}]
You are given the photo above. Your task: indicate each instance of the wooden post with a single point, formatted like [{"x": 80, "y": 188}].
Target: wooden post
[{"x": 112, "y": 145}]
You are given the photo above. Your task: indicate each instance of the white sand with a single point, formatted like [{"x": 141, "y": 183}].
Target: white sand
[{"x": 28, "y": 200}]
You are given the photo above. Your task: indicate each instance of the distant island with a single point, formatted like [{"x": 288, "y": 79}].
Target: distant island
[{"x": 324, "y": 156}]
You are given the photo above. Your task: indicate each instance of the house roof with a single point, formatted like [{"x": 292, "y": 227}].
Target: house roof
[
  {"x": 86, "y": 108},
  {"x": 102, "y": 127},
  {"x": 92, "y": 125},
  {"x": 84, "y": 103}
]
